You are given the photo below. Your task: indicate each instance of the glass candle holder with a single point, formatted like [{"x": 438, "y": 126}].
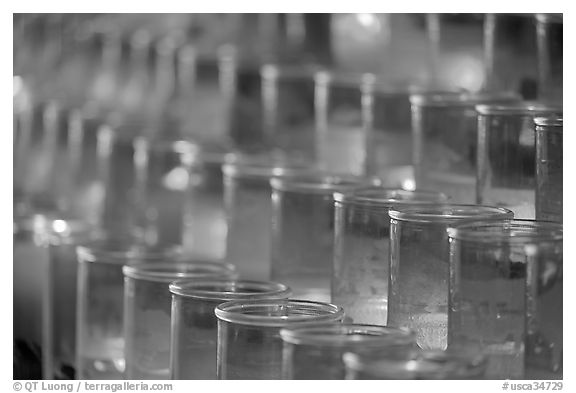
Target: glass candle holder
[
  {"x": 419, "y": 266},
  {"x": 416, "y": 364},
  {"x": 549, "y": 32},
  {"x": 194, "y": 326},
  {"x": 249, "y": 342},
  {"x": 60, "y": 289},
  {"x": 100, "y": 306},
  {"x": 37, "y": 154},
  {"x": 506, "y": 168},
  {"x": 445, "y": 138},
  {"x": 549, "y": 135},
  {"x": 84, "y": 192},
  {"x": 248, "y": 212},
  {"x": 505, "y": 66},
  {"x": 30, "y": 264},
  {"x": 315, "y": 352},
  {"x": 362, "y": 249},
  {"x": 392, "y": 132},
  {"x": 241, "y": 84},
  {"x": 162, "y": 176},
  {"x": 147, "y": 312},
  {"x": 123, "y": 204},
  {"x": 342, "y": 105},
  {"x": 303, "y": 231},
  {"x": 506, "y": 295},
  {"x": 288, "y": 98},
  {"x": 205, "y": 225}
]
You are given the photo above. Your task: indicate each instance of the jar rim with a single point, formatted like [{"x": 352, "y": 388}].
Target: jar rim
[
  {"x": 387, "y": 197},
  {"x": 273, "y": 71},
  {"x": 228, "y": 289},
  {"x": 322, "y": 183},
  {"x": 508, "y": 231},
  {"x": 448, "y": 213},
  {"x": 277, "y": 312},
  {"x": 121, "y": 251},
  {"x": 452, "y": 99},
  {"x": 523, "y": 108},
  {"x": 262, "y": 167},
  {"x": 348, "y": 335},
  {"x": 550, "y": 18},
  {"x": 423, "y": 364},
  {"x": 171, "y": 271},
  {"x": 552, "y": 123}
]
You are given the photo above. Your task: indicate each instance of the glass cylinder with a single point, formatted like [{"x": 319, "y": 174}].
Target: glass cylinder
[
  {"x": 194, "y": 86},
  {"x": 392, "y": 132},
  {"x": 419, "y": 266},
  {"x": 549, "y": 135},
  {"x": 415, "y": 364},
  {"x": 342, "y": 105},
  {"x": 362, "y": 249},
  {"x": 84, "y": 192},
  {"x": 506, "y": 295},
  {"x": 242, "y": 86},
  {"x": 162, "y": 175},
  {"x": 315, "y": 352},
  {"x": 100, "y": 309},
  {"x": 249, "y": 342},
  {"x": 506, "y": 167},
  {"x": 510, "y": 53},
  {"x": 205, "y": 225},
  {"x": 37, "y": 154},
  {"x": 60, "y": 289},
  {"x": 147, "y": 312},
  {"x": 303, "y": 231},
  {"x": 248, "y": 213},
  {"x": 444, "y": 127},
  {"x": 288, "y": 99},
  {"x": 123, "y": 203},
  {"x": 549, "y": 33},
  {"x": 30, "y": 266},
  {"x": 194, "y": 330}
]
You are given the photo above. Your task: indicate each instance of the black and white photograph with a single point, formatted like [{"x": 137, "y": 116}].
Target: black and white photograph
[{"x": 286, "y": 196}]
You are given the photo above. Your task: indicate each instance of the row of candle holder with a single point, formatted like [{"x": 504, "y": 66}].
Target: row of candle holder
[{"x": 456, "y": 275}]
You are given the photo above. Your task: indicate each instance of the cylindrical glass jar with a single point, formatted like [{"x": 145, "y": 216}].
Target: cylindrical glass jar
[
  {"x": 205, "y": 224},
  {"x": 549, "y": 32},
  {"x": 506, "y": 168},
  {"x": 249, "y": 342},
  {"x": 415, "y": 364},
  {"x": 123, "y": 207},
  {"x": 392, "y": 137},
  {"x": 100, "y": 306},
  {"x": 288, "y": 98},
  {"x": 549, "y": 135},
  {"x": 506, "y": 66},
  {"x": 444, "y": 127},
  {"x": 147, "y": 312},
  {"x": 35, "y": 152},
  {"x": 162, "y": 174},
  {"x": 343, "y": 105},
  {"x": 315, "y": 352},
  {"x": 84, "y": 191},
  {"x": 194, "y": 327},
  {"x": 362, "y": 249},
  {"x": 247, "y": 200},
  {"x": 506, "y": 295},
  {"x": 303, "y": 231},
  {"x": 30, "y": 264},
  {"x": 419, "y": 266},
  {"x": 60, "y": 290}
]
